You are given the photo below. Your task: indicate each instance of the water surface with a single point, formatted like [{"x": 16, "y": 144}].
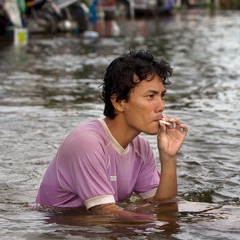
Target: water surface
[{"x": 52, "y": 85}]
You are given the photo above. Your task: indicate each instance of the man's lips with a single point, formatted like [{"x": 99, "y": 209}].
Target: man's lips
[{"x": 157, "y": 119}]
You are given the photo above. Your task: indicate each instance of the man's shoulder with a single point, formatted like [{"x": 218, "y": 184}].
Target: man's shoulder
[
  {"x": 89, "y": 132},
  {"x": 90, "y": 127}
]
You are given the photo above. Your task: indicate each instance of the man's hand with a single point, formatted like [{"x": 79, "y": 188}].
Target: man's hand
[{"x": 171, "y": 137}]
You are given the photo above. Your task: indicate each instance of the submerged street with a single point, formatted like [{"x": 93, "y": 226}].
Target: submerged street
[{"x": 53, "y": 83}]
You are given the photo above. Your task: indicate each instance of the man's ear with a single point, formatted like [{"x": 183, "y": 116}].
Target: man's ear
[{"x": 117, "y": 104}]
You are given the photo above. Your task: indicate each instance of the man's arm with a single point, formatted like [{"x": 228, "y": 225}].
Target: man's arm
[
  {"x": 170, "y": 139},
  {"x": 168, "y": 182},
  {"x": 113, "y": 209}
]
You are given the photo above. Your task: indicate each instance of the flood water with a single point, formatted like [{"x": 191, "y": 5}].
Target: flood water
[{"x": 52, "y": 85}]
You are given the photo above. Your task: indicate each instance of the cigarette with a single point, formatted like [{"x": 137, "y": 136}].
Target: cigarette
[{"x": 166, "y": 123}]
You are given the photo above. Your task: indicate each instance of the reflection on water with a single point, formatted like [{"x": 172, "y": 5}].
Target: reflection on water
[
  {"x": 108, "y": 227},
  {"x": 53, "y": 84}
]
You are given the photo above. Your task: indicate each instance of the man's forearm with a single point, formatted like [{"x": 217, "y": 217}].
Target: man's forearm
[
  {"x": 113, "y": 209},
  {"x": 168, "y": 182}
]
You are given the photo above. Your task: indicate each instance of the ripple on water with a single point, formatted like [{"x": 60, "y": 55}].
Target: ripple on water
[{"x": 53, "y": 85}]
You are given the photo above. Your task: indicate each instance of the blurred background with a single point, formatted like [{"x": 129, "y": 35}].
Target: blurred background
[
  {"x": 82, "y": 15},
  {"x": 53, "y": 55}
]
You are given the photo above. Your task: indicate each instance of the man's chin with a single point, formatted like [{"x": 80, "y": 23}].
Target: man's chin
[{"x": 152, "y": 132}]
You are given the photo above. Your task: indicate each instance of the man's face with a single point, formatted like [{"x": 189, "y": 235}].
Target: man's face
[{"x": 145, "y": 105}]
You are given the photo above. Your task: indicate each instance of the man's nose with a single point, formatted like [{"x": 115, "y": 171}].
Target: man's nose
[{"x": 160, "y": 105}]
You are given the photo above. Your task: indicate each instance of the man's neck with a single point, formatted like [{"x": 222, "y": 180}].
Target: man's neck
[{"x": 120, "y": 131}]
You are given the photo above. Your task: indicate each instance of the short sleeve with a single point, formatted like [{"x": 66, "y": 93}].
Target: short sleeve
[{"x": 82, "y": 168}]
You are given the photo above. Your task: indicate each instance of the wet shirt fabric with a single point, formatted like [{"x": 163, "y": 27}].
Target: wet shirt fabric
[{"x": 91, "y": 168}]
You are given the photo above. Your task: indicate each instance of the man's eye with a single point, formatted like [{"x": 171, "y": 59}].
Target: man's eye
[{"x": 150, "y": 96}]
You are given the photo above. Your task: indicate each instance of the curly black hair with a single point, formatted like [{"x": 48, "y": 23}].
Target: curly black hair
[{"x": 119, "y": 77}]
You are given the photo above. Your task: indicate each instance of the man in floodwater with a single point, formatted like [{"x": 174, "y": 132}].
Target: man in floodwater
[{"x": 106, "y": 160}]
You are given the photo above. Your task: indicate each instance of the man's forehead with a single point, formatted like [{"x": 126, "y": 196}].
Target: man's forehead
[{"x": 147, "y": 85}]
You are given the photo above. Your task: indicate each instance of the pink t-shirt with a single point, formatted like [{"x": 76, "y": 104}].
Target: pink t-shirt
[{"x": 91, "y": 168}]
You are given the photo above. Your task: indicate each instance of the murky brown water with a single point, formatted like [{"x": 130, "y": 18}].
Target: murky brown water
[{"x": 50, "y": 86}]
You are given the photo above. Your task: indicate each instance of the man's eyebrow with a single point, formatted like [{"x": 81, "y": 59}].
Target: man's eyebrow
[{"x": 156, "y": 92}]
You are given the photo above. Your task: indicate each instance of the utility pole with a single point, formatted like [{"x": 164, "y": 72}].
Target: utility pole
[
  {"x": 215, "y": 3},
  {"x": 132, "y": 11},
  {"x": 178, "y": 3}
]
